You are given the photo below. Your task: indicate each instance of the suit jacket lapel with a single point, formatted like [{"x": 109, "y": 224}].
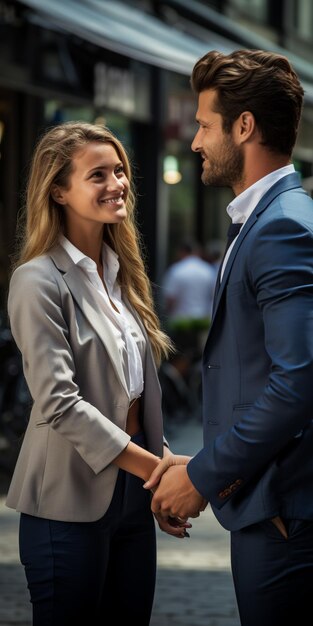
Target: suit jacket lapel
[
  {"x": 291, "y": 181},
  {"x": 83, "y": 293},
  {"x": 245, "y": 229}
]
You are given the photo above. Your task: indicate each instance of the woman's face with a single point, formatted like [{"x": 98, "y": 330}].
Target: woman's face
[{"x": 97, "y": 187}]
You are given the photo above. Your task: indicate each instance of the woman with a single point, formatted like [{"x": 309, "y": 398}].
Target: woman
[{"x": 82, "y": 315}]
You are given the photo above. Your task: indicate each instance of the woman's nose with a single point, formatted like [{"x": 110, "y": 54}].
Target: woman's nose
[{"x": 115, "y": 183}]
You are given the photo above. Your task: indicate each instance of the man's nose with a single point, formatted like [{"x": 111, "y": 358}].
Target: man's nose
[{"x": 196, "y": 145}]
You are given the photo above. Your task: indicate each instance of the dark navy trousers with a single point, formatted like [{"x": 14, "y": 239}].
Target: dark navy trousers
[
  {"x": 273, "y": 576},
  {"x": 97, "y": 573}
]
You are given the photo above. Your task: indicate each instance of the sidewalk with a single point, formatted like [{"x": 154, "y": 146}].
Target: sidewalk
[
  {"x": 194, "y": 586},
  {"x": 15, "y": 608}
]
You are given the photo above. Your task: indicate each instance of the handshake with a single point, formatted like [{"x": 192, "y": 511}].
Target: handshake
[{"x": 175, "y": 498}]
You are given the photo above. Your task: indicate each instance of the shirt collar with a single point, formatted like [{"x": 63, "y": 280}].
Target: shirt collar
[
  {"x": 75, "y": 254},
  {"x": 109, "y": 258},
  {"x": 241, "y": 207}
]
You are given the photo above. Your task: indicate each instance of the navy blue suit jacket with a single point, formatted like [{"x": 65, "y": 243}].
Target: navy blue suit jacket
[{"x": 257, "y": 459}]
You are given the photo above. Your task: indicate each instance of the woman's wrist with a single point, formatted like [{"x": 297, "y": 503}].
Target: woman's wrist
[
  {"x": 149, "y": 466},
  {"x": 137, "y": 461}
]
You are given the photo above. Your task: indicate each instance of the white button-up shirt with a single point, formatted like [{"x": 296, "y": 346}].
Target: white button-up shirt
[
  {"x": 129, "y": 337},
  {"x": 241, "y": 207}
]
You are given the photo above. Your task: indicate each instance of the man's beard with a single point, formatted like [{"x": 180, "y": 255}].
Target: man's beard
[{"x": 225, "y": 168}]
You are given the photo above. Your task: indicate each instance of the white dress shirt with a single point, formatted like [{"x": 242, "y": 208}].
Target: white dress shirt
[
  {"x": 129, "y": 337},
  {"x": 241, "y": 207},
  {"x": 190, "y": 283}
]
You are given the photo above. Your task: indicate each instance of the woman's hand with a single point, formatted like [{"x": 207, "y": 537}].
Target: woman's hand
[
  {"x": 173, "y": 526},
  {"x": 167, "y": 461}
]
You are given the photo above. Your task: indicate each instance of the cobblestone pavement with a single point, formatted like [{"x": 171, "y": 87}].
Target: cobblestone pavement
[
  {"x": 194, "y": 586},
  {"x": 14, "y": 604}
]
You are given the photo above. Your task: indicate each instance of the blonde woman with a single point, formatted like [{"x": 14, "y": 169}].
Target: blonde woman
[{"x": 81, "y": 313}]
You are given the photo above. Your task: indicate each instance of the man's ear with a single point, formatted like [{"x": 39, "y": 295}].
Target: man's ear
[
  {"x": 57, "y": 194},
  {"x": 245, "y": 126}
]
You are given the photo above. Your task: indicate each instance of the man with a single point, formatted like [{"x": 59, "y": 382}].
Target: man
[
  {"x": 188, "y": 289},
  {"x": 256, "y": 466}
]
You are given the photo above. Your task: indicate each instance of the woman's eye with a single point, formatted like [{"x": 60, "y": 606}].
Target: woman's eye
[
  {"x": 119, "y": 170},
  {"x": 98, "y": 174}
]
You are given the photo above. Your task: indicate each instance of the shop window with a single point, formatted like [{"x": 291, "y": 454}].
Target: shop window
[
  {"x": 302, "y": 18},
  {"x": 57, "y": 112},
  {"x": 257, "y": 9}
]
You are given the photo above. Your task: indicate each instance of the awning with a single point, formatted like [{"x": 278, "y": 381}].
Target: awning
[
  {"x": 115, "y": 26},
  {"x": 128, "y": 31}
]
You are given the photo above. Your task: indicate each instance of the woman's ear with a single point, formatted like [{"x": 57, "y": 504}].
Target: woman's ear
[{"x": 57, "y": 194}]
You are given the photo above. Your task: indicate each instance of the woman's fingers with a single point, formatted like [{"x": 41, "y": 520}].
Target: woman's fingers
[
  {"x": 173, "y": 526},
  {"x": 165, "y": 463}
]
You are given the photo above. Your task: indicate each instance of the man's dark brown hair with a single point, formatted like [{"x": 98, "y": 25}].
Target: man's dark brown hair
[{"x": 263, "y": 83}]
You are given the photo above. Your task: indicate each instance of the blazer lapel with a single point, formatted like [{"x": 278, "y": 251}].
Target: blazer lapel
[
  {"x": 83, "y": 293},
  {"x": 291, "y": 181},
  {"x": 245, "y": 229}
]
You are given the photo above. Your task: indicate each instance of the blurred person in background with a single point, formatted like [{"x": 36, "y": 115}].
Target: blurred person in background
[
  {"x": 188, "y": 289},
  {"x": 82, "y": 315},
  {"x": 256, "y": 466}
]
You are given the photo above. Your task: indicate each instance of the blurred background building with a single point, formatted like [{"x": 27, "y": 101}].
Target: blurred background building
[{"x": 128, "y": 64}]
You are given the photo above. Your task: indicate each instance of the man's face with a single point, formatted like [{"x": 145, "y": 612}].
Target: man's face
[{"x": 223, "y": 159}]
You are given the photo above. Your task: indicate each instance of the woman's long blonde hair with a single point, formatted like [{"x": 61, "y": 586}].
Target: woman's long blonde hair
[{"x": 52, "y": 165}]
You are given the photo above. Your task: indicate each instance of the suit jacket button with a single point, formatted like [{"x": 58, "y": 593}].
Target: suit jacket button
[{"x": 225, "y": 493}]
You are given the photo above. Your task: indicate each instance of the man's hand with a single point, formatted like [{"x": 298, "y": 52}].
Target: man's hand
[{"x": 176, "y": 496}]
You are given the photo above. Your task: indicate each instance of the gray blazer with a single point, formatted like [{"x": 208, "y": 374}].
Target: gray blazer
[{"x": 80, "y": 399}]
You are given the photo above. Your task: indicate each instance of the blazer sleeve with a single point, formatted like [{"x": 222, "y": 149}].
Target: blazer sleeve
[
  {"x": 279, "y": 277},
  {"x": 42, "y": 335}
]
